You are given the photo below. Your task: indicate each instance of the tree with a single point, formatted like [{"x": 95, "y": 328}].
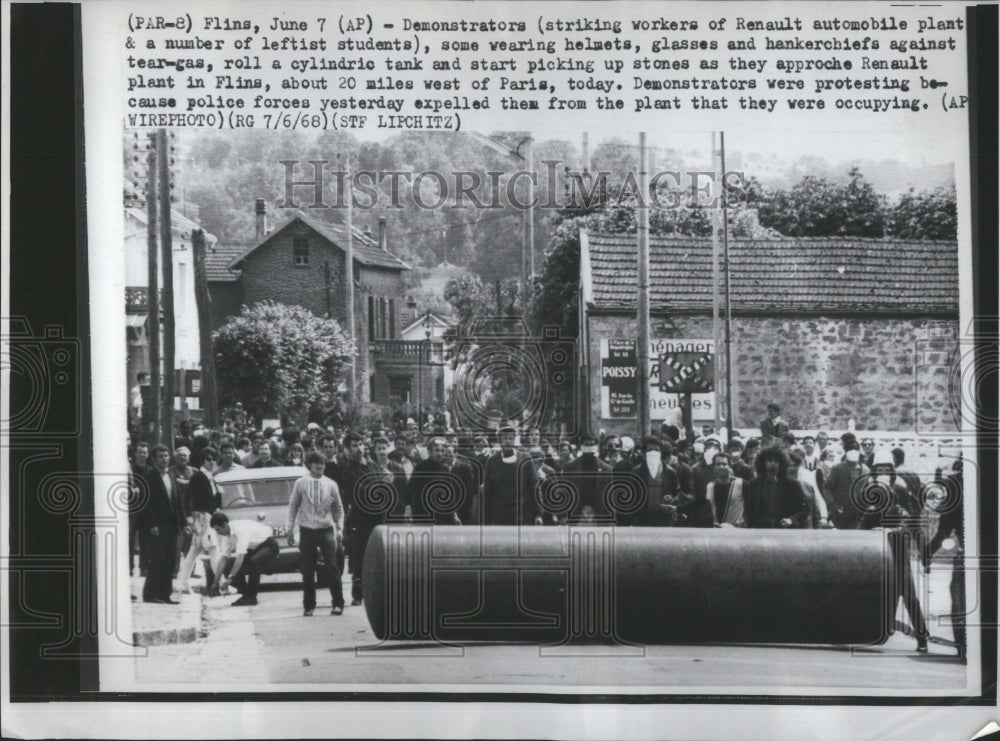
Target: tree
[
  {"x": 471, "y": 300},
  {"x": 280, "y": 360},
  {"x": 818, "y": 207},
  {"x": 925, "y": 215}
]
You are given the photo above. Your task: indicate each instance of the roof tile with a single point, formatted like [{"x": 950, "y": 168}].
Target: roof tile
[{"x": 812, "y": 275}]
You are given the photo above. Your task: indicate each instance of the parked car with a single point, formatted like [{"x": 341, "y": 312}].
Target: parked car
[{"x": 263, "y": 494}]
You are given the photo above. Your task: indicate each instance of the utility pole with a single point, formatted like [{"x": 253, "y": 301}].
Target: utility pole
[
  {"x": 730, "y": 419},
  {"x": 642, "y": 355},
  {"x": 209, "y": 401},
  {"x": 167, "y": 260},
  {"x": 716, "y": 299},
  {"x": 153, "y": 281},
  {"x": 349, "y": 290}
]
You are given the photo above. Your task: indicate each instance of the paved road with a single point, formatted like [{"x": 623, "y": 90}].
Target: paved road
[{"x": 273, "y": 643}]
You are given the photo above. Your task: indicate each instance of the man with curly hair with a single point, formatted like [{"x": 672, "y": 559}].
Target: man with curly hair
[{"x": 772, "y": 500}]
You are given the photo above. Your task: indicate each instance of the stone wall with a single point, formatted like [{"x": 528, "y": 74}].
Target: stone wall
[{"x": 884, "y": 373}]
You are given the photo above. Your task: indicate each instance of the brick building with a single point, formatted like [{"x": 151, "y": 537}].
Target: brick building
[
  {"x": 832, "y": 329},
  {"x": 302, "y": 262}
]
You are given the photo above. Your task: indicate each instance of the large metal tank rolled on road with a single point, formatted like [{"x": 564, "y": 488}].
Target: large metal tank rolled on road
[{"x": 632, "y": 585}]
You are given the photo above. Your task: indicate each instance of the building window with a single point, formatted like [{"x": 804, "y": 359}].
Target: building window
[
  {"x": 300, "y": 252},
  {"x": 392, "y": 319},
  {"x": 381, "y": 325}
]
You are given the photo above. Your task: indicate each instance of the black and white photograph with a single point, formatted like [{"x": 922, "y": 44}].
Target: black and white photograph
[
  {"x": 461, "y": 367},
  {"x": 478, "y": 485}
]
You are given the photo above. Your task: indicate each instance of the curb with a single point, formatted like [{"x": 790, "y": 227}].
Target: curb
[
  {"x": 164, "y": 637},
  {"x": 161, "y": 625}
]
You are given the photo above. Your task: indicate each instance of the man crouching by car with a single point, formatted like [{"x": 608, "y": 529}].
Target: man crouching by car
[{"x": 247, "y": 547}]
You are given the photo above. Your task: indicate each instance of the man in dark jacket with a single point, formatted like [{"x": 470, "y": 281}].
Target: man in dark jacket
[
  {"x": 469, "y": 478},
  {"x": 203, "y": 499},
  {"x": 509, "y": 485},
  {"x": 139, "y": 467},
  {"x": 772, "y": 500},
  {"x": 162, "y": 518},
  {"x": 774, "y": 428},
  {"x": 588, "y": 476},
  {"x": 660, "y": 489},
  {"x": 354, "y": 470},
  {"x": 696, "y": 511},
  {"x": 375, "y": 496},
  {"x": 433, "y": 491},
  {"x": 952, "y": 521}
]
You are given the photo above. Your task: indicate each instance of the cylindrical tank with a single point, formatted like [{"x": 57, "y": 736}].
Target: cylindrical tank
[{"x": 631, "y": 585}]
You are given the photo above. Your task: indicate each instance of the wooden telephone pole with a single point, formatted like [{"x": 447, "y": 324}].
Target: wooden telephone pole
[
  {"x": 167, "y": 259},
  {"x": 153, "y": 281},
  {"x": 642, "y": 354}
]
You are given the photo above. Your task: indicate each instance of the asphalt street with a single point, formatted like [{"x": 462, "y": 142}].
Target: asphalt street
[{"x": 274, "y": 644}]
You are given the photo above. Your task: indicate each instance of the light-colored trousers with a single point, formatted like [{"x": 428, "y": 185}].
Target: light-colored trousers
[{"x": 199, "y": 545}]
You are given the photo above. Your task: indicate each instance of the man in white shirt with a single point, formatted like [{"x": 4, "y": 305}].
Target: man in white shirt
[{"x": 249, "y": 546}]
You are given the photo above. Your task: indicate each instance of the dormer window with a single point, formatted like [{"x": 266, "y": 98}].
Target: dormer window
[{"x": 300, "y": 252}]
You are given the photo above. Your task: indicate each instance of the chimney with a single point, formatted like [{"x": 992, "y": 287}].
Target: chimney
[
  {"x": 383, "y": 241},
  {"x": 260, "y": 214}
]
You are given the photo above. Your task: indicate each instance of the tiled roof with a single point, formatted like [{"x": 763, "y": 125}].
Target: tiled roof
[
  {"x": 219, "y": 258},
  {"x": 811, "y": 275},
  {"x": 366, "y": 250}
]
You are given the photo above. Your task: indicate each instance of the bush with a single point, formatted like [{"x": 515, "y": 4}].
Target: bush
[{"x": 280, "y": 360}]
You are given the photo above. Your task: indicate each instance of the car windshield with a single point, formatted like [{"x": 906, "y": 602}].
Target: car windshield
[{"x": 236, "y": 494}]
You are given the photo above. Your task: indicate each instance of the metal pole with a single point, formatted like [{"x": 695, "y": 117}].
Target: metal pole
[
  {"x": 716, "y": 329},
  {"x": 153, "y": 280},
  {"x": 642, "y": 395},
  {"x": 167, "y": 260},
  {"x": 730, "y": 419},
  {"x": 349, "y": 278}
]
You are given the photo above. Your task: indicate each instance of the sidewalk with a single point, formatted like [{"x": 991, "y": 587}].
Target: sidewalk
[{"x": 157, "y": 625}]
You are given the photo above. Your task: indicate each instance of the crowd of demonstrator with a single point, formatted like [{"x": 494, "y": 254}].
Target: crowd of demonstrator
[{"x": 353, "y": 481}]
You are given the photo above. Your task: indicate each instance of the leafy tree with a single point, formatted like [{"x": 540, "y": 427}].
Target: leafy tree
[
  {"x": 471, "y": 300},
  {"x": 280, "y": 360},
  {"x": 925, "y": 215},
  {"x": 818, "y": 207}
]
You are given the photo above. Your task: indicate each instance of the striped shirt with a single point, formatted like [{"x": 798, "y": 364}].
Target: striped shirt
[{"x": 316, "y": 504}]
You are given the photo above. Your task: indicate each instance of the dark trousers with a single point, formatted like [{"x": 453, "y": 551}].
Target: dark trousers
[
  {"x": 247, "y": 581},
  {"x": 134, "y": 541},
  {"x": 145, "y": 550},
  {"x": 957, "y": 589},
  {"x": 160, "y": 568},
  {"x": 359, "y": 541},
  {"x": 323, "y": 541},
  {"x": 903, "y": 584}
]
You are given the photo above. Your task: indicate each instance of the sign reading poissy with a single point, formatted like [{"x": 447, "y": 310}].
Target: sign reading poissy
[{"x": 619, "y": 372}]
